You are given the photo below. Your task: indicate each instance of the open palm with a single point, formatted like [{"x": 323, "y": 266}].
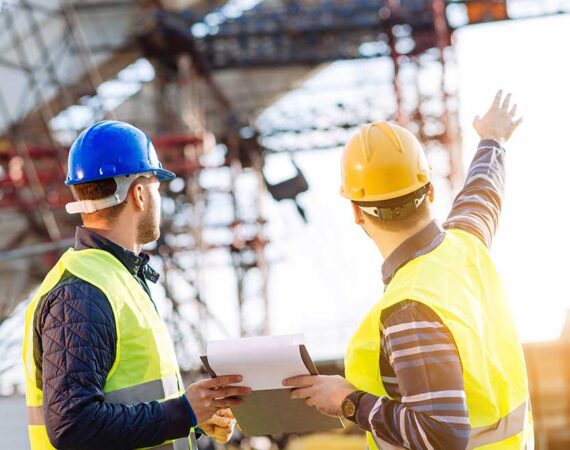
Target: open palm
[{"x": 499, "y": 122}]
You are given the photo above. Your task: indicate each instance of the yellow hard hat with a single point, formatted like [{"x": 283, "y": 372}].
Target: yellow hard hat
[{"x": 382, "y": 162}]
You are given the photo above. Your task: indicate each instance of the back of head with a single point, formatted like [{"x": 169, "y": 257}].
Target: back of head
[
  {"x": 386, "y": 173},
  {"x": 97, "y": 190}
]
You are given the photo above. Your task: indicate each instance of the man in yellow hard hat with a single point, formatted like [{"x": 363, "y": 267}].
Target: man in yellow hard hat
[{"x": 436, "y": 363}]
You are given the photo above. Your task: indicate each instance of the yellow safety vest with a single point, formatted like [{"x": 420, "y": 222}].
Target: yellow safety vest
[
  {"x": 145, "y": 367},
  {"x": 458, "y": 281}
]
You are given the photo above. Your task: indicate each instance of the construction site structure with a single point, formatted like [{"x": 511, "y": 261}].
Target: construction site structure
[{"x": 195, "y": 75}]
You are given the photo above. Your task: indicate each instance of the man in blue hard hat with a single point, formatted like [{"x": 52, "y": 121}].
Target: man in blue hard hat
[{"x": 101, "y": 371}]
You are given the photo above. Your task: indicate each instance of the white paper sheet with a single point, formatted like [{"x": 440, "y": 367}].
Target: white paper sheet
[{"x": 264, "y": 362}]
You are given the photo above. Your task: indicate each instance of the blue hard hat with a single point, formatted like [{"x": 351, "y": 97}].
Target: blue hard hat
[{"x": 110, "y": 149}]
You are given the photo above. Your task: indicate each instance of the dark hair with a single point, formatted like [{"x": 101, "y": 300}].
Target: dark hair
[
  {"x": 96, "y": 190},
  {"x": 399, "y": 213}
]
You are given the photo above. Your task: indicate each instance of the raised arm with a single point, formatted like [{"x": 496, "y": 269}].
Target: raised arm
[{"x": 477, "y": 207}]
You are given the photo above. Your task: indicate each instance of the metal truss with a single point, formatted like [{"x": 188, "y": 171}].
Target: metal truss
[{"x": 65, "y": 66}]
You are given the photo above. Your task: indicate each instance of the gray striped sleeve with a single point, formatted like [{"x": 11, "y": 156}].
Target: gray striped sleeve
[
  {"x": 421, "y": 371},
  {"x": 477, "y": 207}
]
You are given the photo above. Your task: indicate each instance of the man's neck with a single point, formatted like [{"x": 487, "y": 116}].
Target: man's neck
[
  {"x": 117, "y": 235},
  {"x": 390, "y": 241}
]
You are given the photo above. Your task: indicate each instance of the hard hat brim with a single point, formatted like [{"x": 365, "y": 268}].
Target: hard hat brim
[
  {"x": 161, "y": 174},
  {"x": 164, "y": 175},
  {"x": 386, "y": 196}
]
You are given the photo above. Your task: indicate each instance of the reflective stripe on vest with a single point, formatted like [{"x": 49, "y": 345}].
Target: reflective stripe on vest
[
  {"x": 179, "y": 444},
  {"x": 146, "y": 392},
  {"x": 36, "y": 415},
  {"x": 510, "y": 425}
]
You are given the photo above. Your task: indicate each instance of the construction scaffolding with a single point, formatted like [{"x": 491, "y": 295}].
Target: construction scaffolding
[
  {"x": 62, "y": 54},
  {"x": 33, "y": 160},
  {"x": 197, "y": 78}
]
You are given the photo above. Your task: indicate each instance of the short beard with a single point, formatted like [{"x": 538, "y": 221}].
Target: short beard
[{"x": 147, "y": 230}]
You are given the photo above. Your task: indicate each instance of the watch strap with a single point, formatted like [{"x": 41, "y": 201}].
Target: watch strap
[{"x": 354, "y": 397}]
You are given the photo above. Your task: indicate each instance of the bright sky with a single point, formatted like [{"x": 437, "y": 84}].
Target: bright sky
[
  {"x": 328, "y": 276},
  {"x": 532, "y": 245}
]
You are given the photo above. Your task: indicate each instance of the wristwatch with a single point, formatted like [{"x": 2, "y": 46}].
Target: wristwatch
[{"x": 350, "y": 404}]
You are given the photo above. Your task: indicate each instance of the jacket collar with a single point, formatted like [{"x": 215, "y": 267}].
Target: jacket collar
[
  {"x": 135, "y": 264},
  {"x": 424, "y": 241}
]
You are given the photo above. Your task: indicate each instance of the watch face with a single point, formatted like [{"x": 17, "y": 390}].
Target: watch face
[{"x": 348, "y": 408}]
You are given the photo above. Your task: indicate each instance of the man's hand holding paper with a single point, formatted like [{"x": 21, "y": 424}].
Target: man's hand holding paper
[
  {"x": 264, "y": 363},
  {"x": 324, "y": 392},
  {"x": 209, "y": 396}
]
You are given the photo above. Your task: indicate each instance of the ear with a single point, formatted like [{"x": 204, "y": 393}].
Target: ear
[
  {"x": 137, "y": 196},
  {"x": 358, "y": 214},
  {"x": 431, "y": 193}
]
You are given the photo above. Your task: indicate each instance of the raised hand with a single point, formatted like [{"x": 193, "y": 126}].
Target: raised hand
[
  {"x": 499, "y": 122},
  {"x": 208, "y": 396}
]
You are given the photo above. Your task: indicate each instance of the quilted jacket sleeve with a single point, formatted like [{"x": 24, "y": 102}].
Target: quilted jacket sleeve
[{"x": 76, "y": 340}]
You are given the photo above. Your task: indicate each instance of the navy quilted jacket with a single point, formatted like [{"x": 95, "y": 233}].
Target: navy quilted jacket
[{"x": 74, "y": 349}]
